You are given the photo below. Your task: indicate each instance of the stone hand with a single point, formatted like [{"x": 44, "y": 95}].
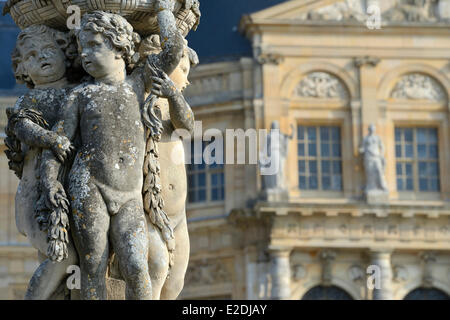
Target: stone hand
[
  {"x": 163, "y": 87},
  {"x": 62, "y": 148},
  {"x": 55, "y": 194}
]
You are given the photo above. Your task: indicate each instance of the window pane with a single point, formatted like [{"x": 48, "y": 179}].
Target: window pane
[
  {"x": 398, "y": 134},
  {"x": 300, "y": 133},
  {"x": 312, "y": 150},
  {"x": 312, "y": 167},
  {"x": 433, "y": 151},
  {"x": 337, "y": 183},
  {"x": 336, "y": 150},
  {"x": 399, "y": 169},
  {"x": 408, "y": 135},
  {"x": 214, "y": 194},
  {"x": 399, "y": 184},
  {"x": 422, "y": 151},
  {"x": 432, "y": 135},
  {"x": 398, "y": 150},
  {"x": 408, "y": 151},
  {"x": 324, "y": 133},
  {"x": 201, "y": 179},
  {"x": 422, "y": 135},
  {"x": 336, "y": 167},
  {"x": 325, "y": 150},
  {"x": 202, "y": 195},
  {"x": 302, "y": 182},
  {"x": 301, "y": 149},
  {"x": 433, "y": 169},
  {"x": 409, "y": 184},
  {"x": 423, "y": 185},
  {"x": 313, "y": 182},
  {"x": 434, "y": 184},
  {"x": 422, "y": 168},
  {"x": 326, "y": 182},
  {"x": 301, "y": 166},
  {"x": 325, "y": 166},
  {"x": 408, "y": 167},
  {"x": 335, "y": 134},
  {"x": 312, "y": 133}
]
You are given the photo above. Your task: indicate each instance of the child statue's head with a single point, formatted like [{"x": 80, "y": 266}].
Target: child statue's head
[
  {"x": 106, "y": 42},
  {"x": 152, "y": 45},
  {"x": 42, "y": 55}
]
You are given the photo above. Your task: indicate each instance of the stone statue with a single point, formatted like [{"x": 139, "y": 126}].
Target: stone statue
[
  {"x": 116, "y": 124},
  {"x": 272, "y": 161},
  {"x": 41, "y": 60},
  {"x": 373, "y": 151}
]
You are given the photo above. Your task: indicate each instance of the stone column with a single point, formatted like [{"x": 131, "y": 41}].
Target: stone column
[
  {"x": 281, "y": 274},
  {"x": 382, "y": 259}
]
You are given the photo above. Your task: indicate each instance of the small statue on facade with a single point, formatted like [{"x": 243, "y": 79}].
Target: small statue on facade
[
  {"x": 272, "y": 161},
  {"x": 374, "y": 164}
]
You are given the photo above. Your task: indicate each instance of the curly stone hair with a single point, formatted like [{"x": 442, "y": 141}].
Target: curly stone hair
[
  {"x": 63, "y": 40},
  {"x": 117, "y": 30},
  {"x": 152, "y": 45}
]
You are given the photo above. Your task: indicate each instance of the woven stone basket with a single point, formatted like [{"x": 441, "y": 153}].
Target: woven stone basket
[{"x": 53, "y": 13}]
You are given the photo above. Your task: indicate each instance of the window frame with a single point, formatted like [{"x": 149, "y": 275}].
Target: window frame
[
  {"x": 320, "y": 192},
  {"x": 208, "y": 171},
  {"x": 416, "y": 193}
]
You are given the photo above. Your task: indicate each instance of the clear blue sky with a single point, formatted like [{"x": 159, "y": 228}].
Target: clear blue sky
[{"x": 217, "y": 37}]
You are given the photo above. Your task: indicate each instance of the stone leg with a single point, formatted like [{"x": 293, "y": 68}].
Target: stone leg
[
  {"x": 382, "y": 259},
  {"x": 129, "y": 238},
  {"x": 158, "y": 260},
  {"x": 281, "y": 274},
  {"x": 90, "y": 232},
  {"x": 175, "y": 282}
]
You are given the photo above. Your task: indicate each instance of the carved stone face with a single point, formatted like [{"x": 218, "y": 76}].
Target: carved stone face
[
  {"x": 98, "y": 56},
  {"x": 372, "y": 129},
  {"x": 180, "y": 75},
  {"x": 43, "y": 60}
]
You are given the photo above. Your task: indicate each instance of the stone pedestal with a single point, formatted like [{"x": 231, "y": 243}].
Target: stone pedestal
[
  {"x": 377, "y": 197},
  {"x": 275, "y": 195},
  {"x": 281, "y": 274},
  {"x": 382, "y": 259}
]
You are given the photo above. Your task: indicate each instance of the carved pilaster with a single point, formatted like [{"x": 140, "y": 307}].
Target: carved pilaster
[
  {"x": 281, "y": 274},
  {"x": 327, "y": 258},
  {"x": 428, "y": 259},
  {"x": 382, "y": 259}
]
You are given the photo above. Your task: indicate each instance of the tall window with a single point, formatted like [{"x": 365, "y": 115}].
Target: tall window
[
  {"x": 206, "y": 182},
  {"x": 319, "y": 158},
  {"x": 416, "y": 152}
]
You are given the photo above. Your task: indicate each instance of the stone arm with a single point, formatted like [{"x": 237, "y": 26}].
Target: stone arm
[
  {"x": 181, "y": 114},
  {"x": 66, "y": 128},
  {"x": 362, "y": 148},
  {"x": 172, "y": 42},
  {"x": 34, "y": 135},
  {"x": 29, "y": 127}
]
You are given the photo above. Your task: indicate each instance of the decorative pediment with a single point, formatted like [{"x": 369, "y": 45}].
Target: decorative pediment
[
  {"x": 417, "y": 86},
  {"x": 392, "y": 11},
  {"x": 322, "y": 85}
]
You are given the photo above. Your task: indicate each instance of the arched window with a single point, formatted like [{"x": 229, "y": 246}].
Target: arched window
[
  {"x": 326, "y": 293},
  {"x": 427, "y": 294}
]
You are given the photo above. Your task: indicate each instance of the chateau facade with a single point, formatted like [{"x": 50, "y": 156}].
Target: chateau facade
[{"x": 325, "y": 71}]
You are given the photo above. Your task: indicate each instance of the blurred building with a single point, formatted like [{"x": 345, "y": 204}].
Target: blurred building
[{"x": 325, "y": 70}]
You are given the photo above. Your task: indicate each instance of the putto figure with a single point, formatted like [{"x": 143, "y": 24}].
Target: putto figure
[
  {"x": 374, "y": 164},
  {"x": 105, "y": 182},
  {"x": 40, "y": 60}
]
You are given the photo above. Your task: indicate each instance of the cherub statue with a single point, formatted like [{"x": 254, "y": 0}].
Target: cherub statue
[
  {"x": 105, "y": 182},
  {"x": 41, "y": 59},
  {"x": 165, "y": 186}
]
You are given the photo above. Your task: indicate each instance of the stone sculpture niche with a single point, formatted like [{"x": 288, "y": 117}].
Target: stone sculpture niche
[{"x": 91, "y": 143}]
